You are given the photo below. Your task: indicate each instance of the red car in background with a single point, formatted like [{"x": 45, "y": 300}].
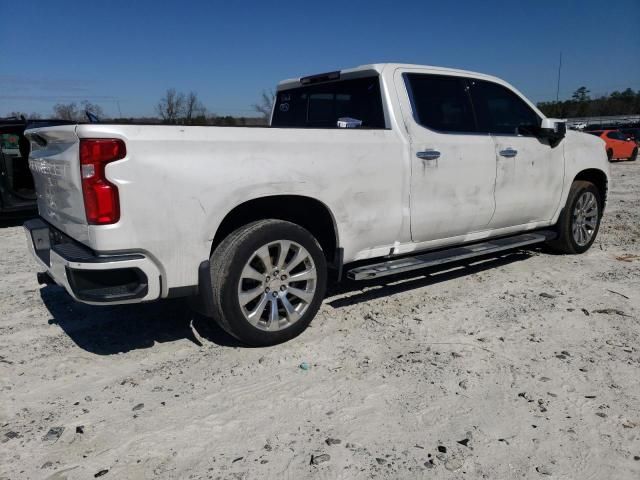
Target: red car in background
[{"x": 617, "y": 144}]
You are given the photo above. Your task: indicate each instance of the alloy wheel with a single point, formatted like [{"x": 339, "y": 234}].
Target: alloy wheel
[
  {"x": 277, "y": 285},
  {"x": 585, "y": 218}
]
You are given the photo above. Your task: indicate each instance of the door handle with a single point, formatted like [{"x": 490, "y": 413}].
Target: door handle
[
  {"x": 508, "y": 152},
  {"x": 428, "y": 155}
]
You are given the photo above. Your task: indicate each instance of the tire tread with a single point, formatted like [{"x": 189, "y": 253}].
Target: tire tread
[
  {"x": 564, "y": 242},
  {"x": 223, "y": 261}
]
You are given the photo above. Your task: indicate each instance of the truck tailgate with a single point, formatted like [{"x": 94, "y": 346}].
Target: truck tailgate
[{"x": 55, "y": 164}]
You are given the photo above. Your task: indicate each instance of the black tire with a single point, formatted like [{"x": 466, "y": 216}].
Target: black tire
[
  {"x": 610, "y": 155},
  {"x": 634, "y": 155},
  {"x": 565, "y": 242},
  {"x": 227, "y": 262}
]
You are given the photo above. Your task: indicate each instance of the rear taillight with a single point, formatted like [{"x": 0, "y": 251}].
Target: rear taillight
[{"x": 101, "y": 201}]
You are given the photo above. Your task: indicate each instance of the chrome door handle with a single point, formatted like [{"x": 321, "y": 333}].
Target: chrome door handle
[
  {"x": 508, "y": 152},
  {"x": 428, "y": 155}
]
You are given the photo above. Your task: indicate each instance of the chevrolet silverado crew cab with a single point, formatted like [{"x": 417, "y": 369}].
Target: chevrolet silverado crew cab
[{"x": 369, "y": 171}]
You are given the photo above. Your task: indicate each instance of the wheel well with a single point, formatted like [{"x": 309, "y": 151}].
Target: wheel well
[
  {"x": 598, "y": 178},
  {"x": 307, "y": 212}
]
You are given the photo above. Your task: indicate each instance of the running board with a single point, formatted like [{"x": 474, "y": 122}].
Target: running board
[{"x": 449, "y": 255}]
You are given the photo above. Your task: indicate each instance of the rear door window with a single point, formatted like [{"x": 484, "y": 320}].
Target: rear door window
[
  {"x": 321, "y": 105},
  {"x": 501, "y": 111},
  {"x": 440, "y": 102}
]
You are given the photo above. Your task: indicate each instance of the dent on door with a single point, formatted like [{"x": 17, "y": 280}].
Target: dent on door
[{"x": 528, "y": 181}]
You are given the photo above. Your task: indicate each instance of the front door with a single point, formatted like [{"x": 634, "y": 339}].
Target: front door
[
  {"x": 529, "y": 171},
  {"x": 453, "y": 168}
]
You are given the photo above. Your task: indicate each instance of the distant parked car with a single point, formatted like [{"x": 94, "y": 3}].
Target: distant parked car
[{"x": 617, "y": 145}]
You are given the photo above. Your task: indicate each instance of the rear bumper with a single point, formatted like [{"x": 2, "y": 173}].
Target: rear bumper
[{"x": 91, "y": 277}]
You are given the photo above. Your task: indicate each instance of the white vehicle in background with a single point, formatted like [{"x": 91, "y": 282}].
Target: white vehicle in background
[{"x": 434, "y": 165}]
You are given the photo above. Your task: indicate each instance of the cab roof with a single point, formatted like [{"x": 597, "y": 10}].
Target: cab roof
[{"x": 378, "y": 68}]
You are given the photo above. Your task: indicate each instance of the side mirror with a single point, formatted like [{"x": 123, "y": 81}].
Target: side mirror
[{"x": 554, "y": 129}]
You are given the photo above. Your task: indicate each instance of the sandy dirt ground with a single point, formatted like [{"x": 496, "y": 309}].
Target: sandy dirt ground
[{"x": 525, "y": 366}]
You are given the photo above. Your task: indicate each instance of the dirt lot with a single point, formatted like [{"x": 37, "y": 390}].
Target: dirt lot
[{"x": 526, "y": 366}]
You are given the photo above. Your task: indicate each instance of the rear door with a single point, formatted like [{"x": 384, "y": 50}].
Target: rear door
[
  {"x": 529, "y": 171},
  {"x": 453, "y": 167}
]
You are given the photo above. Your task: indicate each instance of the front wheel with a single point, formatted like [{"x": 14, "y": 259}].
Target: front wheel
[
  {"x": 634, "y": 155},
  {"x": 268, "y": 280},
  {"x": 579, "y": 221},
  {"x": 610, "y": 155}
]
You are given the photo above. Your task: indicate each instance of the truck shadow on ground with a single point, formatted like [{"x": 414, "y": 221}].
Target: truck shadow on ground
[
  {"x": 110, "y": 330},
  {"x": 350, "y": 292}
]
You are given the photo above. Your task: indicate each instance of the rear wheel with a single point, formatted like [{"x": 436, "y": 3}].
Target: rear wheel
[
  {"x": 268, "y": 280},
  {"x": 610, "y": 155},
  {"x": 579, "y": 221},
  {"x": 634, "y": 155}
]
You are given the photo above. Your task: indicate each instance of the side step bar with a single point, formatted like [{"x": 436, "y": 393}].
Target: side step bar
[{"x": 449, "y": 255}]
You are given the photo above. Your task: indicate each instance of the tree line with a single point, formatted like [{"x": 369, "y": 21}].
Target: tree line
[
  {"x": 186, "y": 109},
  {"x": 581, "y": 104},
  {"x": 74, "y": 112},
  {"x": 174, "y": 108}
]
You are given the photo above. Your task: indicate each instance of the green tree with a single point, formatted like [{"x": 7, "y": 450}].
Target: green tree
[
  {"x": 625, "y": 102},
  {"x": 581, "y": 95}
]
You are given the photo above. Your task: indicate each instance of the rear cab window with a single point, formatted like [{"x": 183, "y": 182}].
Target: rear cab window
[{"x": 321, "y": 105}]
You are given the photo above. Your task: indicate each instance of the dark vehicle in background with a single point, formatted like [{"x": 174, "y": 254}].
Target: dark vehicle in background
[
  {"x": 17, "y": 191},
  {"x": 632, "y": 134}
]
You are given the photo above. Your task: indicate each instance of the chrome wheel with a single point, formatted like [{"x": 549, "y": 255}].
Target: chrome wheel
[
  {"x": 585, "y": 218},
  {"x": 277, "y": 285}
]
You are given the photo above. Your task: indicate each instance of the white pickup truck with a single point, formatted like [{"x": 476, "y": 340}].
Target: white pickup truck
[{"x": 371, "y": 171}]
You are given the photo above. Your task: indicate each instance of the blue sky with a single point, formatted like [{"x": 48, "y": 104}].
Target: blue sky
[{"x": 130, "y": 52}]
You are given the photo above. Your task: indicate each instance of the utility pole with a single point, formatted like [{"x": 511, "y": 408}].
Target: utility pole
[{"x": 558, "y": 87}]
